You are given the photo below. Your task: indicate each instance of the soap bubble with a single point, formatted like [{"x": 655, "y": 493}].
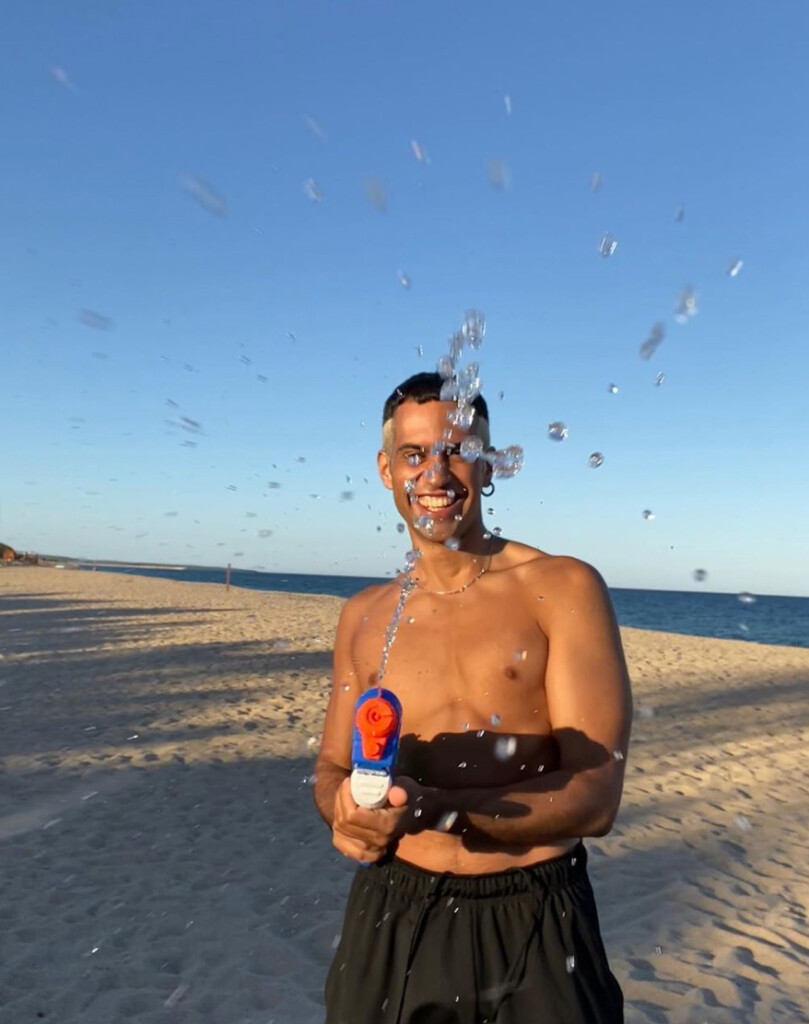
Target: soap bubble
[
  {"x": 462, "y": 416},
  {"x": 613, "y": 389},
  {"x": 455, "y": 345},
  {"x": 452, "y": 543},
  {"x": 400, "y": 527},
  {"x": 404, "y": 278},
  {"x": 425, "y": 524},
  {"x": 496, "y": 720},
  {"x": 471, "y": 448},
  {"x": 595, "y": 460},
  {"x": 650, "y": 345},
  {"x": 474, "y": 328},
  {"x": 557, "y": 431},
  {"x": 469, "y": 382},
  {"x": 648, "y": 515},
  {"x": 735, "y": 267},
  {"x": 700, "y": 575},
  {"x": 607, "y": 245},
  {"x": 449, "y": 390},
  {"x": 505, "y": 747},
  {"x": 659, "y": 379}
]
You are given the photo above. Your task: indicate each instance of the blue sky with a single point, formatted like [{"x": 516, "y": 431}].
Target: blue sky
[{"x": 108, "y": 106}]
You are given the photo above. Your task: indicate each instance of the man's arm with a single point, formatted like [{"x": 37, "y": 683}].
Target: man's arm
[
  {"x": 333, "y": 764},
  {"x": 590, "y": 709}
]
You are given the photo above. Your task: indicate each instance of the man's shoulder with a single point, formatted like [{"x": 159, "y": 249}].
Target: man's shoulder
[
  {"x": 361, "y": 603},
  {"x": 557, "y": 573}
]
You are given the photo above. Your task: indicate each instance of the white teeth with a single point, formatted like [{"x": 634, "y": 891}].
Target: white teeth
[{"x": 435, "y": 502}]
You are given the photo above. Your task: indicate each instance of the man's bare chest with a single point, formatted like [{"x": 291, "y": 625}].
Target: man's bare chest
[{"x": 470, "y": 676}]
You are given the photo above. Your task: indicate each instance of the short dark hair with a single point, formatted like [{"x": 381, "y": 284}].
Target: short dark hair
[{"x": 424, "y": 387}]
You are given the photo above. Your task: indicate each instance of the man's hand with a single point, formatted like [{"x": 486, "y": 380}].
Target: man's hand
[{"x": 366, "y": 834}]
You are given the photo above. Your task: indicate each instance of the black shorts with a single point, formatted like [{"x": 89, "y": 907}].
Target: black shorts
[{"x": 516, "y": 947}]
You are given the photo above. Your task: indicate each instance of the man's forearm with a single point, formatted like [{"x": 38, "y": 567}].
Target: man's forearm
[
  {"x": 537, "y": 812},
  {"x": 328, "y": 779}
]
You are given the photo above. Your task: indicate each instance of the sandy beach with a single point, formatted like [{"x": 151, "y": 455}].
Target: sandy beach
[{"x": 162, "y": 860}]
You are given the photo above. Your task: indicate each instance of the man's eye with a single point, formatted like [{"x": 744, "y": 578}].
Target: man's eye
[{"x": 413, "y": 458}]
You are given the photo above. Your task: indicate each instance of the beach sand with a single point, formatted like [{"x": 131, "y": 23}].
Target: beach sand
[{"x": 162, "y": 860}]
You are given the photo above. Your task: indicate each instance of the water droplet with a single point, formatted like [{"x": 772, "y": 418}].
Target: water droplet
[
  {"x": 648, "y": 515},
  {"x": 315, "y": 128},
  {"x": 496, "y": 720},
  {"x": 700, "y": 575},
  {"x": 418, "y": 150},
  {"x": 613, "y": 389},
  {"x": 686, "y": 306},
  {"x": 417, "y": 813},
  {"x": 346, "y": 495},
  {"x": 596, "y": 181},
  {"x": 97, "y": 321},
  {"x": 735, "y": 266},
  {"x": 465, "y": 727},
  {"x": 679, "y": 215},
  {"x": 520, "y": 655},
  {"x": 652, "y": 342},
  {"x": 471, "y": 448},
  {"x": 507, "y": 462},
  {"x": 743, "y": 823},
  {"x": 273, "y": 485},
  {"x": 312, "y": 741},
  {"x": 404, "y": 279},
  {"x": 644, "y": 711},
  {"x": 375, "y": 193},
  {"x": 557, "y": 431},
  {"x": 747, "y": 598},
  {"x": 570, "y": 964},
  {"x": 498, "y": 174},
  {"x": 205, "y": 195},
  {"x": 658, "y": 950},
  {"x": 659, "y": 379},
  {"x": 507, "y": 103},
  {"x": 505, "y": 747},
  {"x": 607, "y": 245},
  {"x": 474, "y": 329},
  {"x": 446, "y": 821},
  {"x": 462, "y": 764},
  {"x": 400, "y": 527},
  {"x": 313, "y": 191},
  {"x": 618, "y": 755},
  {"x": 346, "y": 687},
  {"x": 452, "y": 543},
  {"x": 595, "y": 460}
]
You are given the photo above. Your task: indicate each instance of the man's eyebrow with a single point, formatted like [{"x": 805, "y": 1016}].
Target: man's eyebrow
[{"x": 410, "y": 444}]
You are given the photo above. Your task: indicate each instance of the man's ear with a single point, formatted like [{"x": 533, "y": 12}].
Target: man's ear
[{"x": 383, "y": 467}]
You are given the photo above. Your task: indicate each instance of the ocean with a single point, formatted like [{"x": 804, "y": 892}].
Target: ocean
[{"x": 766, "y": 619}]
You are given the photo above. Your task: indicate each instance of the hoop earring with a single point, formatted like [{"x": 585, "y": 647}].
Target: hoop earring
[{"x": 489, "y": 493}]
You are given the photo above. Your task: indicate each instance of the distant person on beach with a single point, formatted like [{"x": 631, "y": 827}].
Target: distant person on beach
[{"x": 475, "y": 906}]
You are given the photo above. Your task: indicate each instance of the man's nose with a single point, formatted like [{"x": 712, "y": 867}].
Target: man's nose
[{"x": 437, "y": 470}]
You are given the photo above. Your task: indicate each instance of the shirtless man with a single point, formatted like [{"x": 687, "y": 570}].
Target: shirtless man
[{"x": 473, "y": 905}]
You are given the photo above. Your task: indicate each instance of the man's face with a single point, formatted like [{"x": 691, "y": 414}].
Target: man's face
[{"x": 433, "y": 487}]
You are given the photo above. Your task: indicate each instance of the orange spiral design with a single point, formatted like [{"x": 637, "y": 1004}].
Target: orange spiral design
[{"x": 376, "y": 720}]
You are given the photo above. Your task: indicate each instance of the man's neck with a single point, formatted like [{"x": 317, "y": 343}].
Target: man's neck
[{"x": 440, "y": 568}]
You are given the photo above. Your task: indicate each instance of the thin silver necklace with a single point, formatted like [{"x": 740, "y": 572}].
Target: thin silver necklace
[{"x": 459, "y": 590}]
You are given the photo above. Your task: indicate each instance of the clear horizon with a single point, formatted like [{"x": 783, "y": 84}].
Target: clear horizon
[{"x": 207, "y": 212}]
